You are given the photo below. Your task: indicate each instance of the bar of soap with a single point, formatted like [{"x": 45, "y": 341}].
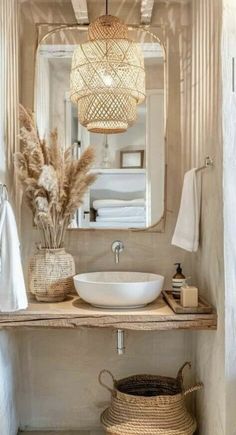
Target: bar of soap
[{"x": 189, "y": 297}]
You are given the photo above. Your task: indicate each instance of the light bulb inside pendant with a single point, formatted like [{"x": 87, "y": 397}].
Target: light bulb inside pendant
[{"x": 107, "y": 79}]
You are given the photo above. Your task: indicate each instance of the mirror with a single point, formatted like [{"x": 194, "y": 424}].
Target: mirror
[{"x": 129, "y": 190}]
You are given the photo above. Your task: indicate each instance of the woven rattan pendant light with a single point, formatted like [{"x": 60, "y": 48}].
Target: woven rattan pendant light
[{"x": 107, "y": 77}]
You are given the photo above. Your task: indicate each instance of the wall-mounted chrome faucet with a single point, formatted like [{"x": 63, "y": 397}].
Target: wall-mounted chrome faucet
[{"x": 117, "y": 247}]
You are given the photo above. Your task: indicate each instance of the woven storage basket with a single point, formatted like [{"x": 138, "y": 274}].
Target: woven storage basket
[
  {"x": 51, "y": 274},
  {"x": 152, "y": 405}
]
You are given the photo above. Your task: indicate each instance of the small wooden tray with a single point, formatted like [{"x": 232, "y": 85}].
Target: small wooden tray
[{"x": 173, "y": 301}]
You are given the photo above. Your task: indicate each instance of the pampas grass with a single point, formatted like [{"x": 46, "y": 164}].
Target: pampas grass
[{"x": 54, "y": 183}]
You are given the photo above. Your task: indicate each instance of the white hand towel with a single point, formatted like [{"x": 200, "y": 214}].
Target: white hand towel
[
  {"x": 186, "y": 235},
  {"x": 121, "y": 211},
  {"x": 12, "y": 286}
]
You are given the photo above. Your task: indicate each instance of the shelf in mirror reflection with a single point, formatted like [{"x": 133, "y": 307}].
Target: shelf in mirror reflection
[{"x": 119, "y": 170}]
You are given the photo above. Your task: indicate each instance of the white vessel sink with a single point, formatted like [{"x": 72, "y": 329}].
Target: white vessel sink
[{"x": 118, "y": 289}]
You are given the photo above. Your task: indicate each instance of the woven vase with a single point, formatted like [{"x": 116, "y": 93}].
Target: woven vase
[
  {"x": 51, "y": 274},
  {"x": 144, "y": 404}
]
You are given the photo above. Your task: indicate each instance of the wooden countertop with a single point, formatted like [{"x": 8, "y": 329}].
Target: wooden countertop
[{"x": 74, "y": 313}]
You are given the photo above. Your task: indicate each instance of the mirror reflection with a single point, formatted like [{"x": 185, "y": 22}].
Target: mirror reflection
[{"x": 129, "y": 189}]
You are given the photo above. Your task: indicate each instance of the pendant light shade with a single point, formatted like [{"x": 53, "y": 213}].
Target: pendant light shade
[{"x": 107, "y": 77}]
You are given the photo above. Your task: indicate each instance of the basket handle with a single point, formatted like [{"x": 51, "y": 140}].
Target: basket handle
[
  {"x": 196, "y": 387},
  {"x": 102, "y": 383},
  {"x": 180, "y": 372}
]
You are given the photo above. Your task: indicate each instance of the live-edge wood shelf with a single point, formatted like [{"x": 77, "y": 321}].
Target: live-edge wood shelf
[{"x": 74, "y": 313}]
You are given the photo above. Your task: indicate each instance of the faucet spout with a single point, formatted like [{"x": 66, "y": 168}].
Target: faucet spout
[
  {"x": 117, "y": 255},
  {"x": 117, "y": 247}
]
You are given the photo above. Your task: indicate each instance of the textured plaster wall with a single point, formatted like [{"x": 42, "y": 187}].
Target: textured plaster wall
[
  {"x": 62, "y": 367},
  {"x": 228, "y": 50},
  {"x": 8, "y": 368},
  {"x": 59, "y": 371}
]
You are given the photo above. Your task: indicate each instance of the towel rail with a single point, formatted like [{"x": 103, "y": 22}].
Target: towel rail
[{"x": 208, "y": 164}]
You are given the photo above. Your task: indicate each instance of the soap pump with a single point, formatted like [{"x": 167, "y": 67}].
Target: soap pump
[{"x": 178, "y": 279}]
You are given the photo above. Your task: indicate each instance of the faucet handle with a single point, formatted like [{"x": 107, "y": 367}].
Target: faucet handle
[{"x": 117, "y": 245}]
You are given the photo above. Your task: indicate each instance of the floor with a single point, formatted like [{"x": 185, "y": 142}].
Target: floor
[{"x": 80, "y": 432}]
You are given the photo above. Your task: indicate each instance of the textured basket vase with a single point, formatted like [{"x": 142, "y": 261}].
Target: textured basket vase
[
  {"x": 51, "y": 274},
  {"x": 152, "y": 405}
]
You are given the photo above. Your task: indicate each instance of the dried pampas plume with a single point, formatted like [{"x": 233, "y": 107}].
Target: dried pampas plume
[{"x": 54, "y": 182}]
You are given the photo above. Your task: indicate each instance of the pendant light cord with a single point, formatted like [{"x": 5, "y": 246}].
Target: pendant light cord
[{"x": 106, "y": 7}]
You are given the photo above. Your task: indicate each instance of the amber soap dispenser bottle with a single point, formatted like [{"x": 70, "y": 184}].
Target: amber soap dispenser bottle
[{"x": 178, "y": 279}]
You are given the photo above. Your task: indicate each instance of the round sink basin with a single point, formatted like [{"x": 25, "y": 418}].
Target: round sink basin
[{"x": 118, "y": 289}]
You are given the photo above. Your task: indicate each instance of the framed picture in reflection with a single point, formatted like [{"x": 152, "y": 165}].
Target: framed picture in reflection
[{"x": 132, "y": 159}]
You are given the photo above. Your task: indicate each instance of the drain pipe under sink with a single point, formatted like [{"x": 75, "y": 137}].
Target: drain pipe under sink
[{"x": 120, "y": 341}]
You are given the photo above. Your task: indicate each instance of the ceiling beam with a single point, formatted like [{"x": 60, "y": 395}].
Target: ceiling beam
[
  {"x": 146, "y": 11},
  {"x": 81, "y": 11}
]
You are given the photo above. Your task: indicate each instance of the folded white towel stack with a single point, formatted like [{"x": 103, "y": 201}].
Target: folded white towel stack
[
  {"x": 104, "y": 203},
  {"x": 12, "y": 286},
  {"x": 121, "y": 212},
  {"x": 186, "y": 235},
  {"x": 121, "y": 219}
]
